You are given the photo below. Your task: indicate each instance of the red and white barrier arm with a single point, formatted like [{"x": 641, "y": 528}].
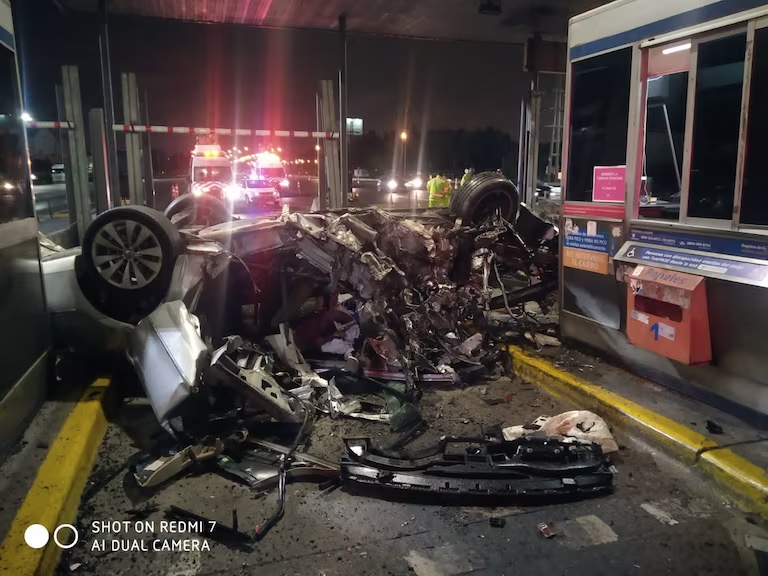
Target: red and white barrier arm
[
  {"x": 56, "y": 125},
  {"x": 224, "y": 131}
]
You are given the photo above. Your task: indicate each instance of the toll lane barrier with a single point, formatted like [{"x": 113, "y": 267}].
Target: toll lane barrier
[
  {"x": 42, "y": 526},
  {"x": 744, "y": 481}
]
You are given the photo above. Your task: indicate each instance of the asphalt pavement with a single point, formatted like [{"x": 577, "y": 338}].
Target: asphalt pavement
[{"x": 661, "y": 518}]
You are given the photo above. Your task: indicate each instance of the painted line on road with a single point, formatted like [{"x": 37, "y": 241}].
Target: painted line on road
[
  {"x": 55, "y": 494},
  {"x": 746, "y": 482}
]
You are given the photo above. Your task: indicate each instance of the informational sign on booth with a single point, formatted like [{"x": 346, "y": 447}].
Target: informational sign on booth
[
  {"x": 608, "y": 183},
  {"x": 730, "y": 246},
  {"x": 586, "y": 246},
  {"x": 710, "y": 264}
]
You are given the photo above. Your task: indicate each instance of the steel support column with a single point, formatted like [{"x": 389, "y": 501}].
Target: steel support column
[
  {"x": 132, "y": 140},
  {"x": 105, "y": 62},
  {"x": 100, "y": 159},
  {"x": 79, "y": 156},
  {"x": 532, "y": 169},
  {"x": 343, "y": 136},
  {"x": 331, "y": 148},
  {"x": 61, "y": 115}
]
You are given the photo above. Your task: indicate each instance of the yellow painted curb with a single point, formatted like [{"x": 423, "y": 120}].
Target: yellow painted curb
[
  {"x": 55, "y": 494},
  {"x": 748, "y": 482},
  {"x": 745, "y": 481}
]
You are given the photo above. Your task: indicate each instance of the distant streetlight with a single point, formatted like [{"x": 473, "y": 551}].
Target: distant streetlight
[
  {"x": 317, "y": 147},
  {"x": 403, "y": 135},
  {"x": 26, "y": 117},
  {"x": 279, "y": 149},
  {"x": 246, "y": 148}
]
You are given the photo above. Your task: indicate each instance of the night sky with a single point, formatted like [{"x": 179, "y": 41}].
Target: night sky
[{"x": 229, "y": 76}]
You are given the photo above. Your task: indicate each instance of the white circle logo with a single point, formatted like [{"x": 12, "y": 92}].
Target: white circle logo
[
  {"x": 56, "y": 536},
  {"x": 36, "y": 536}
]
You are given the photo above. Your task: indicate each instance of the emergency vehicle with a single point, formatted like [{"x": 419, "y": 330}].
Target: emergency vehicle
[
  {"x": 265, "y": 180},
  {"x": 210, "y": 172}
]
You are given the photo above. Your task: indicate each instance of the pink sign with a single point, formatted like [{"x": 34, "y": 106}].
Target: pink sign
[{"x": 608, "y": 183}]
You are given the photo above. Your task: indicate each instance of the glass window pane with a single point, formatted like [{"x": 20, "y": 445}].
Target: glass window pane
[
  {"x": 754, "y": 199},
  {"x": 599, "y": 117},
  {"x": 665, "y": 113},
  {"x": 717, "y": 114},
  {"x": 15, "y": 199}
]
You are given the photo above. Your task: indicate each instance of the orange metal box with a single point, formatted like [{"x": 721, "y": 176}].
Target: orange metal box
[{"x": 667, "y": 314}]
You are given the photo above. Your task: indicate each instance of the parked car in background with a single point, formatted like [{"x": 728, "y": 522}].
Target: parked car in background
[{"x": 57, "y": 174}]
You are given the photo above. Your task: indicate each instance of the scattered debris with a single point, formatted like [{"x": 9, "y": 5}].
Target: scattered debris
[
  {"x": 714, "y": 427},
  {"x": 545, "y": 530},
  {"x": 464, "y": 467},
  {"x": 580, "y": 425},
  {"x": 497, "y": 522},
  {"x": 268, "y": 323}
]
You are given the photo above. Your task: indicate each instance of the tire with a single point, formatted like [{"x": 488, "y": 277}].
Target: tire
[
  {"x": 188, "y": 210},
  {"x": 127, "y": 261},
  {"x": 479, "y": 198}
]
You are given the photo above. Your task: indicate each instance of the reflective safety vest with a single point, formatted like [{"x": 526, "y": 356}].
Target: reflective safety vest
[{"x": 466, "y": 178}]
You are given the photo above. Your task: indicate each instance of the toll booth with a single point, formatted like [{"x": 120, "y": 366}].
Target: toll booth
[
  {"x": 24, "y": 335},
  {"x": 664, "y": 144}
]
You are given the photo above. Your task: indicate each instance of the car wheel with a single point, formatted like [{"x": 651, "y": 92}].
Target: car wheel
[
  {"x": 127, "y": 261},
  {"x": 483, "y": 196},
  {"x": 191, "y": 210}
]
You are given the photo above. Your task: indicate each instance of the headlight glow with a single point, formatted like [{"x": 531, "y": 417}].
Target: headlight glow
[
  {"x": 7, "y": 185},
  {"x": 232, "y": 191},
  {"x": 284, "y": 183},
  {"x": 197, "y": 191},
  {"x": 392, "y": 184},
  {"x": 416, "y": 182}
]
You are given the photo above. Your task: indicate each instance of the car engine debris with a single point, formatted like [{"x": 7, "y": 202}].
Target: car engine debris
[{"x": 266, "y": 324}]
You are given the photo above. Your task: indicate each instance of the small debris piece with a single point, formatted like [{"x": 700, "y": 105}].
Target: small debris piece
[
  {"x": 714, "y": 427},
  {"x": 545, "y": 530},
  {"x": 75, "y": 566},
  {"x": 497, "y": 522}
]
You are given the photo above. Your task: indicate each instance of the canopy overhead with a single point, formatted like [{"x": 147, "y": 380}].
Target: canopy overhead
[{"x": 505, "y": 21}]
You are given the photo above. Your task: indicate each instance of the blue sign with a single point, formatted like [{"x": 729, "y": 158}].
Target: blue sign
[
  {"x": 706, "y": 264},
  {"x": 730, "y": 246},
  {"x": 580, "y": 239}
]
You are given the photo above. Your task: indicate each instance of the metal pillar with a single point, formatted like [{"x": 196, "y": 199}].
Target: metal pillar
[
  {"x": 331, "y": 148},
  {"x": 532, "y": 168},
  {"x": 149, "y": 188},
  {"x": 79, "y": 164},
  {"x": 65, "y": 155},
  {"x": 100, "y": 159},
  {"x": 108, "y": 103},
  {"x": 522, "y": 146},
  {"x": 132, "y": 140},
  {"x": 322, "y": 184},
  {"x": 343, "y": 136}
]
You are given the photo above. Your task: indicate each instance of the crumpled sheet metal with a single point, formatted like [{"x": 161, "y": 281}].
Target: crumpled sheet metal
[
  {"x": 581, "y": 425},
  {"x": 166, "y": 350}
]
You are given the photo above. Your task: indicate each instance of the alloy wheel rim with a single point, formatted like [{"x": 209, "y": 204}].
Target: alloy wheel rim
[{"x": 127, "y": 254}]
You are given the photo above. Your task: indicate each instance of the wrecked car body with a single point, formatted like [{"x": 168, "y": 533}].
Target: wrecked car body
[{"x": 244, "y": 331}]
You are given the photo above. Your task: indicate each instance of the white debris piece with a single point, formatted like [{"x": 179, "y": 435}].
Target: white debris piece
[{"x": 579, "y": 424}]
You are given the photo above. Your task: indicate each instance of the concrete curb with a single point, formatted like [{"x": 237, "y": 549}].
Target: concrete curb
[
  {"x": 55, "y": 494},
  {"x": 746, "y": 482}
]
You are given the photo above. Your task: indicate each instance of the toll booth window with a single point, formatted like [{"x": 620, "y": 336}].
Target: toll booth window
[
  {"x": 599, "y": 118},
  {"x": 754, "y": 200},
  {"x": 716, "y": 120},
  {"x": 14, "y": 197},
  {"x": 666, "y": 102}
]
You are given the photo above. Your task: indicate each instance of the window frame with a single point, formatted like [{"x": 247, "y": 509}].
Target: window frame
[
  {"x": 733, "y": 223},
  {"x": 567, "y": 116}
]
